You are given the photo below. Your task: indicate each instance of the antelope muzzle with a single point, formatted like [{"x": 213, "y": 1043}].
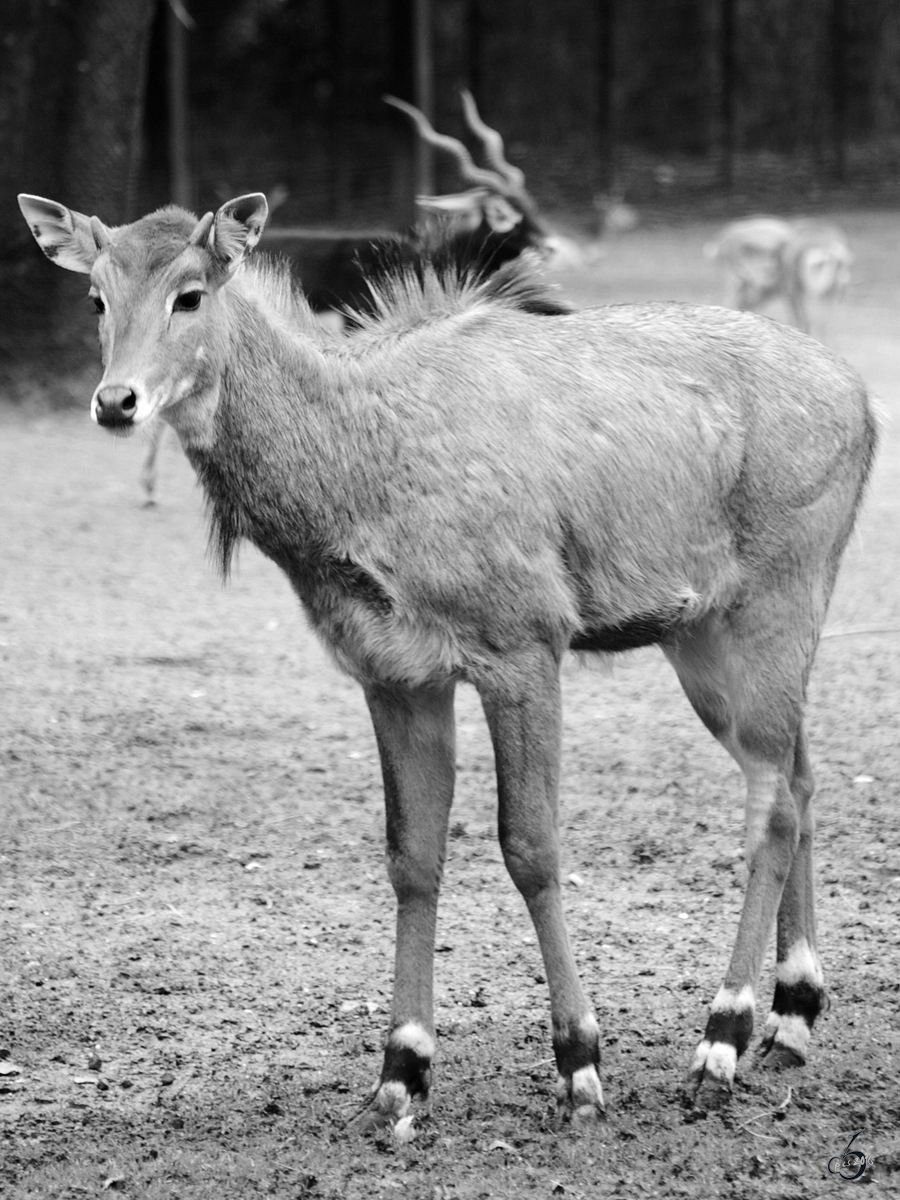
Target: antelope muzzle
[{"x": 114, "y": 407}]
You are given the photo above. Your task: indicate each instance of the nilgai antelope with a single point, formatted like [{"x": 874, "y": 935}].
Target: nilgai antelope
[
  {"x": 803, "y": 262},
  {"x": 465, "y": 490},
  {"x": 476, "y": 231}
]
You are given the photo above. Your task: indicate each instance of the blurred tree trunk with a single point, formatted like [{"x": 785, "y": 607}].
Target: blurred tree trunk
[{"x": 72, "y": 79}]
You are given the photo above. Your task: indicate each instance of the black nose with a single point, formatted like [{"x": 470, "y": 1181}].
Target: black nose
[{"x": 116, "y": 406}]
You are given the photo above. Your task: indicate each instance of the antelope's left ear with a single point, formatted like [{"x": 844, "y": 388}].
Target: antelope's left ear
[{"x": 234, "y": 230}]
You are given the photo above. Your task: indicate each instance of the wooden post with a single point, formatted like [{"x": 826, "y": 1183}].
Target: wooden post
[
  {"x": 727, "y": 75},
  {"x": 472, "y": 41},
  {"x": 838, "y": 37},
  {"x": 180, "y": 183},
  {"x": 423, "y": 87},
  {"x": 608, "y": 100}
]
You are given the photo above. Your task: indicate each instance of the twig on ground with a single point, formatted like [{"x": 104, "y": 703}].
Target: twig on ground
[
  {"x": 855, "y": 630},
  {"x": 487, "y": 1075},
  {"x": 769, "y": 1112}
]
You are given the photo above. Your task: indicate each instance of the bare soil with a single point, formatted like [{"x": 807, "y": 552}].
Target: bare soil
[{"x": 197, "y": 927}]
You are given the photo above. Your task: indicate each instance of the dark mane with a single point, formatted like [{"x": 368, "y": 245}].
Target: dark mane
[
  {"x": 520, "y": 284},
  {"x": 409, "y": 284}
]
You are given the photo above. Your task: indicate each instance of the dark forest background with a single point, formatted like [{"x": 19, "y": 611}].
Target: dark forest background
[{"x": 682, "y": 107}]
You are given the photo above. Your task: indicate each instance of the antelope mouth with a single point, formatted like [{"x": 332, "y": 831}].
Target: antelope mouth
[{"x": 119, "y": 428}]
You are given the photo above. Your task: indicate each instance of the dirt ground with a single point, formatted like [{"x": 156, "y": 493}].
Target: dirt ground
[{"x": 197, "y": 929}]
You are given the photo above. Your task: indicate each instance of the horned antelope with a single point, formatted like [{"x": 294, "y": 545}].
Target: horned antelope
[
  {"x": 476, "y": 230},
  {"x": 497, "y": 212},
  {"x": 465, "y": 490},
  {"x": 803, "y": 262},
  {"x": 484, "y": 226},
  {"x": 489, "y": 223}
]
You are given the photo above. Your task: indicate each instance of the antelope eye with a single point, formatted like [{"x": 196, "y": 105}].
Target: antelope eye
[
  {"x": 99, "y": 306},
  {"x": 188, "y": 301}
]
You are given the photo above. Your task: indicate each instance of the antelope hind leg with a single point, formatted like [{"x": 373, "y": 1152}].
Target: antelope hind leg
[
  {"x": 771, "y": 837},
  {"x": 748, "y": 689},
  {"x": 799, "y": 983},
  {"x": 416, "y": 742}
]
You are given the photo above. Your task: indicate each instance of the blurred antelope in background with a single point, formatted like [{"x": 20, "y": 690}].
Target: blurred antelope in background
[
  {"x": 614, "y": 215},
  {"x": 803, "y": 262},
  {"x": 464, "y": 491}
]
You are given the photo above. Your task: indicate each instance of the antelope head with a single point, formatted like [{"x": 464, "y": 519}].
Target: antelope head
[
  {"x": 498, "y": 197},
  {"x": 157, "y": 287}
]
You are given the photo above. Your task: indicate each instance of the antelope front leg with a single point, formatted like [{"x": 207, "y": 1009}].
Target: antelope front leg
[
  {"x": 525, "y": 723},
  {"x": 157, "y": 435},
  {"x": 416, "y": 742}
]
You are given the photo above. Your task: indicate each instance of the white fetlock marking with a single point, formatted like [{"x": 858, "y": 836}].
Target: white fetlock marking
[
  {"x": 801, "y": 966},
  {"x": 393, "y": 1100},
  {"x": 727, "y": 1000},
  {"x": 586, "y": 1089},
  {"x": 404, "y": 1131},
  {"x": 715, "y": 1060},
  {"x": 790, "y": 1031},
  {"x": 412, "y": 1036},
  {"x": 699, "y": 1059}
]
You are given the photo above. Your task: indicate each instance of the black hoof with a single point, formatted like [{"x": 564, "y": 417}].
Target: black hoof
[
  {"x": 778, "y": 1057},
  {"x": 712, "y": 1096}
]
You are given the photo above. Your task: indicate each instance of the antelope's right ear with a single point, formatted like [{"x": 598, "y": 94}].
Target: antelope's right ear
[
  {"x": 69, "y": 239},
  {"x": 235, "y": 229}
]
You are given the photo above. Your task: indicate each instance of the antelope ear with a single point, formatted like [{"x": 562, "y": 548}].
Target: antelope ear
[
  {"x": 467, "y": 208},
  {"x": 235, "y": 229},
  {"x": 70, "y": 239},
  {"x": 474, "y": 206},
  {"x": 501, "y": 215}
]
